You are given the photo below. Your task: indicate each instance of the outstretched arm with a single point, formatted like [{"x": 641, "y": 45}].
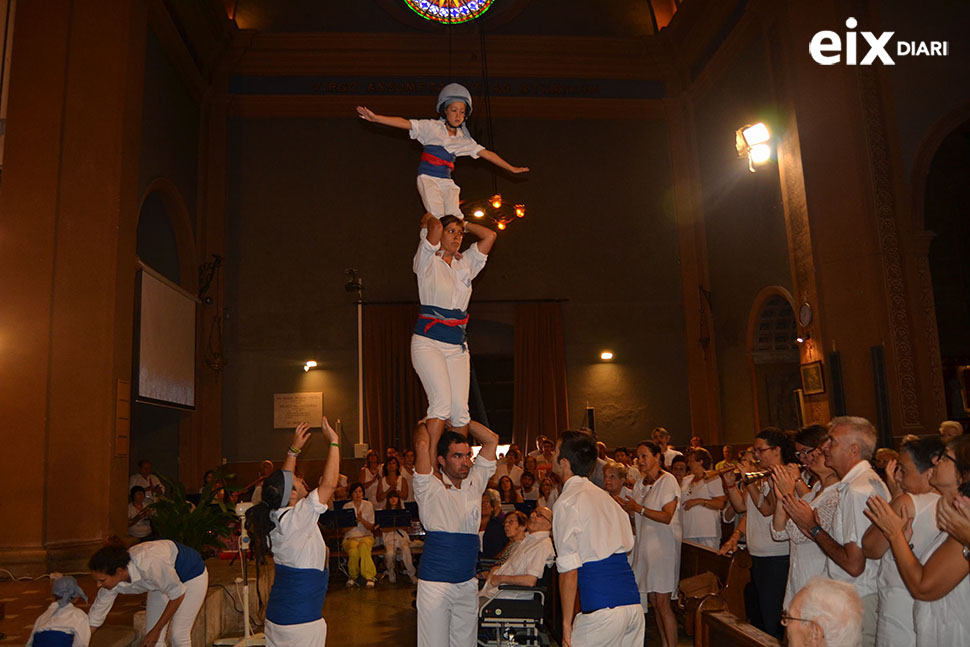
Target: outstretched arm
[
  {"x": 300, "y": 437},
  {"x": 367, "y": 114},
  {"x": 423, "y": 452},
  {"x": 486, "y": 236},
  {"x": 331, "y": 470},
  {"x": 487, "y": 437},
  {"x": 498, "y": 161}
]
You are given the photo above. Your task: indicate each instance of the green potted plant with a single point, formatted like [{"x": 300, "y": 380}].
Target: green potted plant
[{"x": 202, "y": 527}]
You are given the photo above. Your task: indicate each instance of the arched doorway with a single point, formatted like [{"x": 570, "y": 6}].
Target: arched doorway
[
  {"x": 946, "y": 203},
  {"x": 774, "y": 365}
]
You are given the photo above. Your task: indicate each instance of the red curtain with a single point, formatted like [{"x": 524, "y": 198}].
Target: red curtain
[
  {"x": 540, "y": 373},
  {"x": 394, "y": 399}
]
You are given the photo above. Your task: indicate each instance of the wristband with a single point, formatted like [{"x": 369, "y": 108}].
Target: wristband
[
  {"x": 814, "y": 531},
  {"x": 966, "y": 552},
  {"x": 335, "y": 444},
  {"x": 293, "y": 450}
]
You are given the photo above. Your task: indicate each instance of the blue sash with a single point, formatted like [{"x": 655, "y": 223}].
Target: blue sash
[
  {"x": 436, "y": 161},
  {"x": 442, "y": 324},
  {"x": 188, "y": 563},
  {"x": 607, "y": 583},
  {"x": 448, "y": 557},
  {"x": 51, "y": 638},
  {"x": 297, "y": 595}
]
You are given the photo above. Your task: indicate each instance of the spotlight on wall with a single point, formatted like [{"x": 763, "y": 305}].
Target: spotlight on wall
[
  {"x": 753, "y": 142},
  {"x": 606, "y": 355},
  {"x": 310, "y": 364},
  {"x": 803, "y": 337}
]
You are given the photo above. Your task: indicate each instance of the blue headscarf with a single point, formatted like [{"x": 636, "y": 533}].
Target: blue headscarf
[{"x": 65, "y": 589}]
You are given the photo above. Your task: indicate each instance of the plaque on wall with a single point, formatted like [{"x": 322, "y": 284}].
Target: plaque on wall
[{"x": 290, "y": 409}]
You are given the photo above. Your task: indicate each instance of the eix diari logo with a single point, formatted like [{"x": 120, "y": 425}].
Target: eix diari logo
[{"x": 826, "y": 47}]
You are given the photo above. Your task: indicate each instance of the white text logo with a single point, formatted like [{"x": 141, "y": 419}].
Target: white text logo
[{"x": 826, "y": 47}]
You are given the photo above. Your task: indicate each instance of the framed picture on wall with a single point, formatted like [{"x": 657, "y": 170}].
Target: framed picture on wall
[{"x": 813, "y": 381}]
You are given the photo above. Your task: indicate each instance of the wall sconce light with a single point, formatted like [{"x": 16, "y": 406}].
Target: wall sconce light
[
  {"x": 310, "y": 364},
  {"x": 803, "y": 337},
  {"x": 752, "y": 142},
  {"x": 606, "y": 355}
]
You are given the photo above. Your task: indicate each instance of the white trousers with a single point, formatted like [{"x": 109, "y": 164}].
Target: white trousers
[
  {"x": 180, "y": 626},
  {"x": 307, "y": 634},
  {"x": 448, "y": 614},
  {"x": 616, "y": 627},
  {"x": 869, "y": 620},
  {"x": 395, "y": 544},
  {"x": 439, "y": 196},
  {"x": 445, "y": 371}
]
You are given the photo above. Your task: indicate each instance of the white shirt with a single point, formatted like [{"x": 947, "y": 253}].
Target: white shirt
[
  {"x": 409, "y": 477},
  {"x": 443, "y": 285},
  {"x": 588, "y": 525},
  {"x": 143, "y": 527},
  {"x": 669, "y": 454},
  {"x": 152, "y": 568},
  {"x": 502, "y": 469},
  {"x": 295, "y": 539},
  {"x": 449, "y": 509},
  {"x": 434, "y": 132},
  {"x": 387, "y": 486},
  {"x": 550, "y": 501},
  {"x": 68, "y": 619},
  {"x": 758, "y": 535},
  {"x": 528, "y": 558},
  {"x": 365, "y": 512},
  {"x": 531, "y": 495},
  {"x": 851, "y": 523},
  {"x": 807, "y": 559},
  {"x": 149, "y": 484},
  {"x": 701, "y": 521}
]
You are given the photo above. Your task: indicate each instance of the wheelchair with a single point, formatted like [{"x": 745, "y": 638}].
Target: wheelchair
[{"x": 503, "y": 621}]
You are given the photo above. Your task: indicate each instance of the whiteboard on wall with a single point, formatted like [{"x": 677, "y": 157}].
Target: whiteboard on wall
[
  {"x": 165, "y": 344},
  {"x": 290, "y": 409}
]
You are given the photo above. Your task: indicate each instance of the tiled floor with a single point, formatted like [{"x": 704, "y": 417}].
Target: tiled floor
[{"x": 25, "y": 601}]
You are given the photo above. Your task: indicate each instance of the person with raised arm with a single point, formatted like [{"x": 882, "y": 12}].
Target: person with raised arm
[
  {"x": 450, "y": 511},
  {"x": 592, "y": 536},
  {"x": 284, "y": 523},
  {"x": 439, "y": 351}
]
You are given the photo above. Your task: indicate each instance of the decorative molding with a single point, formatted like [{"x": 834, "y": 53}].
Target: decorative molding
[
  {"x": 931, "y": 336},
  {"x": 884, "y": 208}
]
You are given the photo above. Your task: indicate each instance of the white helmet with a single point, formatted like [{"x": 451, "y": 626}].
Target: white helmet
[{"x": 454, "y": 92}]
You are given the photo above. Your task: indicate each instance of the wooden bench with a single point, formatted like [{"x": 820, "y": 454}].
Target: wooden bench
[
  {"x": 732, "y": 572},
  {"x": 719, "y": 627}
]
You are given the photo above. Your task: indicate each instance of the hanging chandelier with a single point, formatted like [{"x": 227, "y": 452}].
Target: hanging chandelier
[{"x": 495, "y": 209}]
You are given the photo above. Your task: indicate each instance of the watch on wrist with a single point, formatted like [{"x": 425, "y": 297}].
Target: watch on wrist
[{"x": 814, "y": 531}]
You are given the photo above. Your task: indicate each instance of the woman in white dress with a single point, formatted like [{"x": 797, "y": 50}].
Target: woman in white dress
[
  {"x": 370, "y": 475},
  {"x": 407, "y": 471},
  {"x": 656, "y": 559},
  {"x": 703, "y": 501},
  {"x": 391, "y": 480},
  {"x": 916, "y": 499},
  {"x": 940, "y": 586},
  {"x": 806, "y": 558}
]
